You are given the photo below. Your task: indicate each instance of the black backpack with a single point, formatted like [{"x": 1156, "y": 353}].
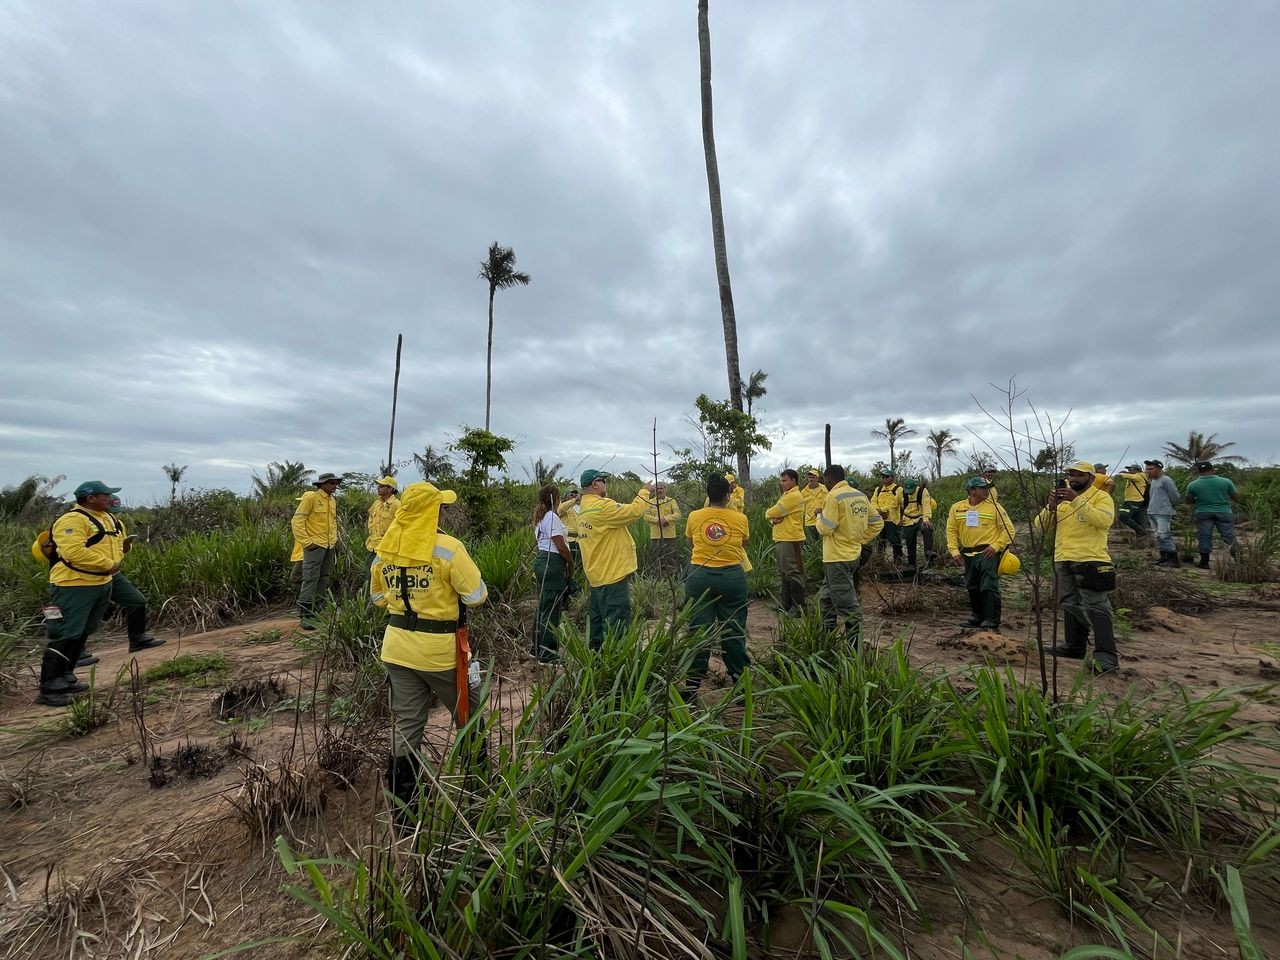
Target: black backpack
[{"x": 49, "y": 548}]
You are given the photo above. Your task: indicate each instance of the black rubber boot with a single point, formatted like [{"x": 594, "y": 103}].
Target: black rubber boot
[
  {"x": 1105, "y": 657},
  {"x": 1204, "y": 561},
  {"x": 990, "y": 610},
  {"x": 1073, "y": 645},
  {"x": 1174, "y": 563},
  {"x": 1164, "y": 559},
  {"x": 144, "y": 642},
  {"x": 87, "y": 659},
  {"x": 304, "y": 617},
  {"x": 402, "y": 784},
  {"x": 975, "y": 608}
]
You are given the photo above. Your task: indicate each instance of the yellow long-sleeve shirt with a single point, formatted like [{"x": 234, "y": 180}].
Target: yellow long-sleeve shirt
[
  {"x": 568, "y": 511},
  {"x": 668, "y": 511},
  {"x": 888, "y": 501},
  {"x": 972, "y": 525},
  {"x": 790, "y": 511},
  {"x": 843, "y": 523},
  {"x": 608, "y": 552},
  {"x": 435, "y": 590},
  {"x": 71, "y": 535},
  {"x": 1135, "y": 486},
  {"x": 315, "y": 523},
  {"x": 719, "y": 536},
  {"x": 381, "y": 513},
  {"x": 916, "y": 506},
  {"x": 1080, "y": 526},
  {"x": 814, "y": 497},
  {"x": 737, "y": 500}
]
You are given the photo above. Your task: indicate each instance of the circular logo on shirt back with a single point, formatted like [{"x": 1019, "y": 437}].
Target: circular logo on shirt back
[{"x": 714, "y": 532}]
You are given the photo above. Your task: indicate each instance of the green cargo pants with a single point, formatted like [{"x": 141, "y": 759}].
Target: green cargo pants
[
  {"x": 838, "y": 599},
  {"x": 608, "y": 611},
  {"x": 132, "y": 604},
  {"x": 81, "y": 609},
  {"x": 719, "y": 612},
  {"x": 317, "y": 565},
  {"x": 789, "y": 555},
  {"x": 551, "y": 575},
  {"x": 413, "y": 692}
]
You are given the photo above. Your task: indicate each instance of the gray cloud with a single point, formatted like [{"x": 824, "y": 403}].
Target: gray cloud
[{"x": 214, "y": 219}]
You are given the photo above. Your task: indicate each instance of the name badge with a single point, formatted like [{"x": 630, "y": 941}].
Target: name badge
[{"x": 971, "y": 518}]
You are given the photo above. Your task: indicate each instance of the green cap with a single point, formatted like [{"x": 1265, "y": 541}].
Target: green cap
[
  {"x": 909, "y": 484},
  {"x": 886, "y": 472},
  {"x": 90, "y": 487},
  {"x": 591, "y": 476},
  {"x": 977, "y": 483}
]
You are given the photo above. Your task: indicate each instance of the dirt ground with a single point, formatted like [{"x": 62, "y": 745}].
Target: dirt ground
[{"x": 96, "y": 861}]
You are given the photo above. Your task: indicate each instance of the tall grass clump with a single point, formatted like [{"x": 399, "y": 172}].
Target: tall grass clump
[
  {"x": 619, "y": 822},
  {"x": 506, "y": 563}
]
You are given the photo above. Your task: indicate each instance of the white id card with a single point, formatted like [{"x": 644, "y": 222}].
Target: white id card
[
  {"x": 971, "y": 518},
  {"x": 52, "y": 612}
]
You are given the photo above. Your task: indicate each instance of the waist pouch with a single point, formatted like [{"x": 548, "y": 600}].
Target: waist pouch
[{"x": 1095, "y": 575}]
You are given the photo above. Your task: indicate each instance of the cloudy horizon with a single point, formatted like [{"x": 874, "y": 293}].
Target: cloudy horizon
[{"x": 216, "y": 218}]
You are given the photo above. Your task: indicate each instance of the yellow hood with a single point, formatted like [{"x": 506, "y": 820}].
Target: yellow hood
[{"x": 411, "y": 538}]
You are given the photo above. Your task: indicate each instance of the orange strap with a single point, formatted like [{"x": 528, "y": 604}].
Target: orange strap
[{"x": 462, "y": 673}]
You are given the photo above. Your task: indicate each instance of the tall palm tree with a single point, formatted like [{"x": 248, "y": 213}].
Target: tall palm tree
[
  {"x": 727, "y": 316},
  {"x": 1200, "y": 447},
  {"x": 895, "y": 429},
  {"x": 174, "y": 473},
  {"x": 282, "y": 477},
  {"x": 942, "y": 443},
  {"x": 499, "y": 271}
]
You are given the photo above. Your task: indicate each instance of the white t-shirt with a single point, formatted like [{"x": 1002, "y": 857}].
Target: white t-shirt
[{"x": 549, "y": 526}]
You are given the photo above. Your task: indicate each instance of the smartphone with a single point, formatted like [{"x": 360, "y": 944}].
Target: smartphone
[{"x": 1062, "y": 482}]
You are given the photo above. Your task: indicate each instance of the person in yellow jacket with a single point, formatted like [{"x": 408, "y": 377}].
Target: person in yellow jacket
[
  {"x": 425, "y": 579},
  {"x": 88, "y": 547},
  {"x": 315, "y": 530},
  {"x": 814, "y": 493},
  {"x": 989, "y": 475},
  {"x": 608, "y": 553},
  {"x": 887, "y": 499},
  {"x": 662, "y": 514},
  {"x": 842, "y": 524},
  {"x": 716, "y": 587},
  {"x": 1079, "y": 516},
  {"x": 381, "y": 512},
  {"x": 917, "y": 515},
  {"x": 787, "y": 518},
  {"x": 978, "y": 532},
  {"x": 1133, "y": 511}
]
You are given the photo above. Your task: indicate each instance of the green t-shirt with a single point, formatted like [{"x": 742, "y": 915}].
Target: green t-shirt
[{"x": 1212, "y": 493}]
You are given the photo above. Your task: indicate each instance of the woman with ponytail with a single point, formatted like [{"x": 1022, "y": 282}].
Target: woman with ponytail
[{"x": 553, "y": 567}]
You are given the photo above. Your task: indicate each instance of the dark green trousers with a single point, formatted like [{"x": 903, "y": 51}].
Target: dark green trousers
[
  {"x": 719, "y": 612},
  {"x": 911, "y": 533},
  {"x": 790, "y": 558},
  {"x": 552, "y": 577},
  {"x": 981, "y": 573},
  {"x": 82, "y": 609},
  {"x": 608, "y": 611},
  {"x": 838, "y": 599},
  {"x": 131, "y": 603},
  {"x": 1133, "y": 514}
]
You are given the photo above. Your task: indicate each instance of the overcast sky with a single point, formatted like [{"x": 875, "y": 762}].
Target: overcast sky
[{"x": 216, "y": 217}]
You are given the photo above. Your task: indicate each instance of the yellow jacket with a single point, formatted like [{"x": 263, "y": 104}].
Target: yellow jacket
[
  {"x": 435, "y": 590},
  {"x": 315, "y": 524},
  {"x": 916, "y": 506},
  {"x": 568, "y": 512},
  {"x": 719, "y": 536},
  {"x": 670, "y": 513},
  {"x": 790, "y": 508},
  {"x": 1135, "y": 487},
  {"x": 970, "y": 526},
  {"x": 843, "y": 523},
  {"x": 888, "y": 501},
  {"x": 1080, "y": 526},
  {"x": 875, "y": 526},
  {"x": 813, "y": 500},
  {"x": 608, "y": 552},
  {"x": 381, "y": 513},
  {"x": 737, "y": 500},
  {"x": 71, "y": 535},
  {"x": 994, "y": 497}
]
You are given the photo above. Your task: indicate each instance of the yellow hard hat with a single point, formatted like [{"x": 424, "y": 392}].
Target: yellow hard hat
[{"x": 1010, "y": 564}]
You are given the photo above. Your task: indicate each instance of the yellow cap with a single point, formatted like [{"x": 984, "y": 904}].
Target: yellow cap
[
  {"x": 731, "y": 478},
  {"x": 1081, "y": 466},
  {"x": 388, "y": 482}
]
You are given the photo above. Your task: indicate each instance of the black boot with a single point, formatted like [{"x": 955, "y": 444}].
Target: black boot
[
  {"x": 1174, "y": 563},
  {"x": 1105, "y": 657},
  {"x": 304, "y": 617},
  {"x": 1204, "y": 561},
  {"x": 1073, "y": 645},
  {"x": 897, "y": 555},
  {"x": 144, "y": 642},
  {"x": 402, "y": 784},
  {"x": 975, "y": 608},
  {"x": 87, "y": 659},
  {"x": 1164, "y": 559},
  {"x": 990, "y": 610}
]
